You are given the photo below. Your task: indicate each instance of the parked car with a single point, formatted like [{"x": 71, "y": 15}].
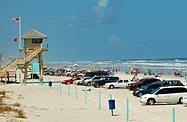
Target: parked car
[
  {"x": 79, "y": 74},
  {"x": 49, "y": 72},
  {"x": 71, "y": 81},
  {"x": 118, "y": 84},
  {"x": 88, "y": 82},
  {"x": 59, "y": 72},
  {"x": 172, "y": 83},
  {"x": 104, "y": 80},
  {"x": 147, "y": 89},
  {"x": 142, "y": 82},
  {"x": 98, "y": 73},
  {"x": 80, "y": 81},
  {"x": 170, "y": 94}
]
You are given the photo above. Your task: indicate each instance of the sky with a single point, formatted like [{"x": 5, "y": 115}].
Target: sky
[{"x": 82, "y": 30}]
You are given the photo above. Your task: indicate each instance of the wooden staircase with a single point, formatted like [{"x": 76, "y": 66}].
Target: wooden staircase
[{"x": 20, "y": 61}]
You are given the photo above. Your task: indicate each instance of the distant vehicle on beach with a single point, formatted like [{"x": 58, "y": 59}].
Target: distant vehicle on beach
[
  {"x": 170, "y": 94},
  {"x": 142, "y": 82},
  {"x": 88, "y": 81},
  {"x": 150, "y": 87},
  {"x": 70, "y": 81},
  {"x": 118, "y": 84},
  {"x": 147, "y": 89},
  {"x": 80, "y": 81},
  {"x": 104, "y": 80},
  {"x": 98, "y": 73}
]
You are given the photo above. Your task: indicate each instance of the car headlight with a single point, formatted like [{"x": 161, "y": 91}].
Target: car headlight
[{"x": 136, "y": 92}]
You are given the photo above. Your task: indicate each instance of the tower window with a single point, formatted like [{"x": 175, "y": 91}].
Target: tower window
[{"x": 36, "y": 41}]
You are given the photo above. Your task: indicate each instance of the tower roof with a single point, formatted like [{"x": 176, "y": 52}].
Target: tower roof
[{"x": 32, "y": 34}]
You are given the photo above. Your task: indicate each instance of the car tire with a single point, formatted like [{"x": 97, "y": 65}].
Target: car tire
[
  {"x": 97, "y": 85},
  {"x": 151, "y": 101},
  {"x": 180, "y": 100},
  {"x": 88, "y": 84},
  {"x": 111, "y": 86}
]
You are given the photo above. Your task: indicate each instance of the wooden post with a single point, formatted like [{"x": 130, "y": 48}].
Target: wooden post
[
  {"x": 15, "y": 78},
  {"x": 5, "y": 77},
  {"x": 8, "y": 76},
  {"x": 40, "y": 61},
  {"x": 26, "y": 72}
]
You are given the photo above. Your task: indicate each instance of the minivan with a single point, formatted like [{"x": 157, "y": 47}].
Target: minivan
[{"x": 170, "y": 94}]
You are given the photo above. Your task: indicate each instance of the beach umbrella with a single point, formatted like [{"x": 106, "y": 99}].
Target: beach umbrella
[
  {"x": 75, "y": 65},
  {"x": 134, "y": 69}
]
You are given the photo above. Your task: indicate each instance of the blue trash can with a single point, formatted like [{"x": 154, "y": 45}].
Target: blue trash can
[
  {"x": 50, "y": 84},
  {"x": 111, "y": 104}
]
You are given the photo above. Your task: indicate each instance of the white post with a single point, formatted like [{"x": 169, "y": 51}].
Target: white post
[{"x": 20, "y": 31}]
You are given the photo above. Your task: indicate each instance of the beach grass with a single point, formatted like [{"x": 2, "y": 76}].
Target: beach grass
[{"x": 10, "y": 108}]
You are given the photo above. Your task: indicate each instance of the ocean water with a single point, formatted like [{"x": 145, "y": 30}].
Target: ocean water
[{"x": 165, "y": 64}]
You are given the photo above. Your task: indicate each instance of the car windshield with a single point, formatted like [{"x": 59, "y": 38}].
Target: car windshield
[
  {"x": 153, "y": 91},
  {"x": 145, "y": 87}
]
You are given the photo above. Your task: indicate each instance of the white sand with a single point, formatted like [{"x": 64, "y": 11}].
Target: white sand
[{"x": 42, "y": 104}]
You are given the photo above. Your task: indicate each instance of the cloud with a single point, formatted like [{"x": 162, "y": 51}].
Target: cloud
[
  {"x": 105, "y": 11},
  {"x": 102, "y": 3},
  {"x": 114, "y": 39},
  {"x": 99, "y": 12},
  {"x": 72, "y": 21}
]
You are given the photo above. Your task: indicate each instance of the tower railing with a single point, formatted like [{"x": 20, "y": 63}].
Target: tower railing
[{"x": 20, "y": 61}]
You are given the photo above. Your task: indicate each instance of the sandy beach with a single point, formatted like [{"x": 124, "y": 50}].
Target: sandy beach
[{"x": 42, "y": 104}]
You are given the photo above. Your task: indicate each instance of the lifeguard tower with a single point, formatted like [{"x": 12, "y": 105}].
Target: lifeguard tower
[
  {"x": 33, "y": 49},
  {"x": 33, "y": 46}
]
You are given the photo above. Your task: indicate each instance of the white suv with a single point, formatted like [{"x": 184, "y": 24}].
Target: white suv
[
  {"x": 117, "y": 84},
  {"x": 171, "y": 94}
]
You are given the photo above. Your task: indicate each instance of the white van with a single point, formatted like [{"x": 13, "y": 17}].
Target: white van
[{"x": 171, "y": 94}]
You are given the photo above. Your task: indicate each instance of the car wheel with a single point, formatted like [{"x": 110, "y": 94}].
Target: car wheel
[
  {"x": 151, "y": 101},
  {"x": 180, "y": 100},
  {"x": 88, "y": 84},
  {"x": 97, "y": 86},
  {"x": 140, "y": 94},
  {"x": 111, "y": 86}
]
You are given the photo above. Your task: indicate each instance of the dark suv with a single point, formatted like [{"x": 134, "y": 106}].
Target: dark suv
[
  {"x": 147, "y": 88},
  {"x": 104, "y": 80},
  {"x": 98, "y": 73},
  {"x": 172, "y": 83}
]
